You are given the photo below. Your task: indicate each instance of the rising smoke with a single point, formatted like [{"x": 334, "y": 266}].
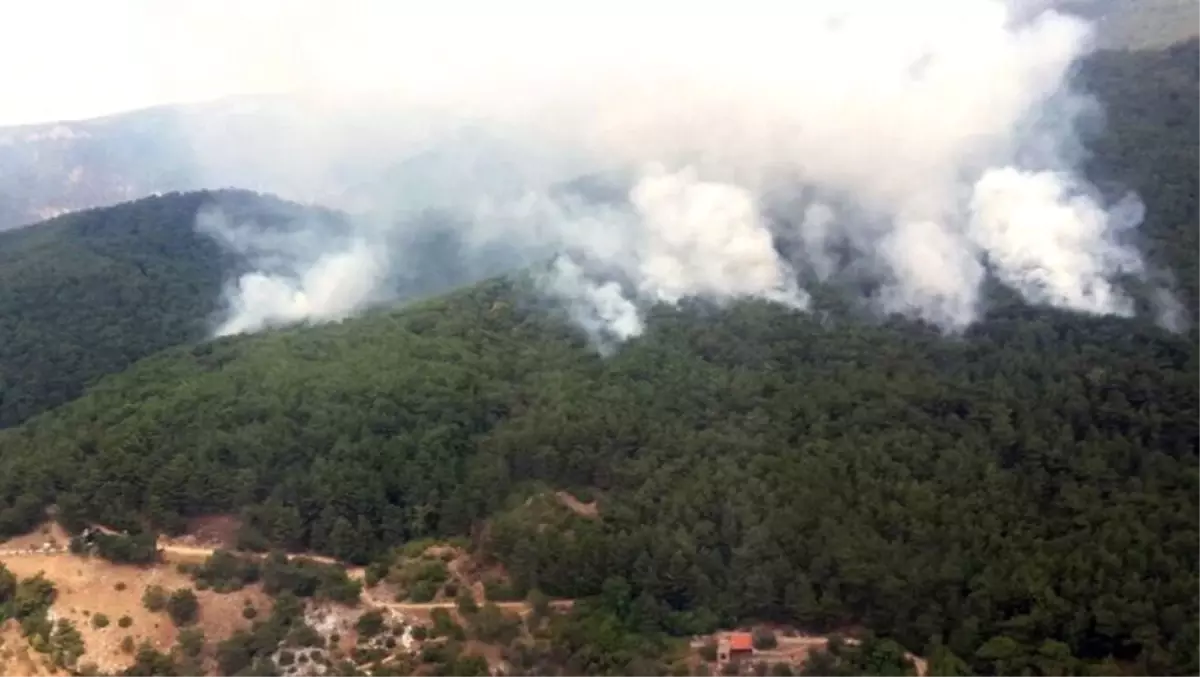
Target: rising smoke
[{"x": 929, "y": 143}]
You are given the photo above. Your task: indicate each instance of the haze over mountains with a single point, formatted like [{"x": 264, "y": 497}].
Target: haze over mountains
[
  {"x": 1141, "y": 24},
  {"x": 240, "y": 142},
  {"x": 48, "y": 169},
  {"x": 703, "y": 213},
  {"x": 879, "y": 324}
]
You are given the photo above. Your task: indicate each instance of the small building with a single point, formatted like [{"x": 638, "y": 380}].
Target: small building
[{"x": 735, "y": 646}]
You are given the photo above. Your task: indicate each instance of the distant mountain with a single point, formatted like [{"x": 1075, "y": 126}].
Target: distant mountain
[
  {"x": 47, "y": 170},
  {"x": 1139, "y": 24},
  {"x": 91, "y": 292},
  {"x": 354, "y": 160},
  {"x": 357, "y": 160}
]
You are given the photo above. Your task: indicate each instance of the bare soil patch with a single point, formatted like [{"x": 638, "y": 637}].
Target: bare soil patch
[
  {"x": 17, "y": 658},
  {"x": 589, "y": 510},
  {"x": 214, "y": 531},
  {"x": 87, "y": 586},
  {"x": 48, "y": 533}
]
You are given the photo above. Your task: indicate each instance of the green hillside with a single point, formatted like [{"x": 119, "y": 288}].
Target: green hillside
[
  {"x": 1031, "y": 484},
  {"x": 1023, "y": 499},
  {"x": 89, "y": 293},
  {"x": 1150, "y": 142}
]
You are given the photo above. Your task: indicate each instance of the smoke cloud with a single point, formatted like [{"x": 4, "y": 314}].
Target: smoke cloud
[
  {"x": 299, "y": 275},
  {"x": 925, "y": 145}
]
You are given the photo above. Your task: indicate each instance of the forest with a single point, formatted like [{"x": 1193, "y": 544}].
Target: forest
[
  {"x": 89, "y": 293},
  {"x": 1020, "y": 499},
  {"x": 1032, "y": 481}
]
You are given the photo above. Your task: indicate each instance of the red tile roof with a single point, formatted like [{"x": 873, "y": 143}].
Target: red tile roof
[{"x": 740, "y": 641}]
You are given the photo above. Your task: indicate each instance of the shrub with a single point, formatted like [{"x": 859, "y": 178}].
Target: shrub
[
  {"x": 154, "y": 598},
  {"x": 249, "y": 612},
  {"x": 99, "y": 621},
  {"x": 370, "y": 623},
  {"x": 120, "y": 586},
  {"x": 140, "y": 548},
  {"x": 444, "y": 625},
  {"x": 500, "y": 591},
  {"x": 303, "y": 634},
  {"x": 307, "y": 578},
  {"x": 539, "y": 602},
  {"x": 434, "y": 571},
  {"x": 764, "y": 638},
  {"x": 416, "y": 548},
  {"x": 420, "y": 633},
  {"x": 466, "y": 602},
  {"x": 432, "y": 653},
  {"x": 65, "y": 644},
  {"x": 491, "y": 625},
  {"x": 376, "y": 572},
  {"x": 781, "y": 670},
  {"x": 30, "y": 597},
  {"x": 709, "y": 651},
  {"x": 191, "y": 641},
  {"x": 423, "y": 591},
  {"x": 225, "y": 572},
  {"x": 183, "y": 607},
  {"x": 127, "y": 644},
  {"x": 125, "y": 621}
]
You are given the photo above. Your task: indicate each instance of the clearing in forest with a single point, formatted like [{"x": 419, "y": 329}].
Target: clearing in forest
[{"x": 88, "y": 586}]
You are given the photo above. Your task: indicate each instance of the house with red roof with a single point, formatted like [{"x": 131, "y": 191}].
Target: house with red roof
[{"x": 734, "y": 646}]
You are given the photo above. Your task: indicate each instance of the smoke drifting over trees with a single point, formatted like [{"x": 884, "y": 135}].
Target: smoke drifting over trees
[{"x": 918, "y": 148}]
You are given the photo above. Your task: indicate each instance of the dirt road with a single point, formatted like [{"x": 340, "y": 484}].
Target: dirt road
[{"x": 357, "y": 573}]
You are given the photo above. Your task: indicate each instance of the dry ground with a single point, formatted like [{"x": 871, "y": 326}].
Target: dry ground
[
  {"x": 16, "y": 658},
  {"x": 90, "y": 585},
  {"x": 590, "y": 510},
  {"x": 49, "y": 532},
  {"x": 215, "y": 531},
  {"x": 87, "y": 586}
]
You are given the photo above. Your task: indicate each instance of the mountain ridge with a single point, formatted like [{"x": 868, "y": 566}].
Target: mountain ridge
[{"x": 133, "y": 278}]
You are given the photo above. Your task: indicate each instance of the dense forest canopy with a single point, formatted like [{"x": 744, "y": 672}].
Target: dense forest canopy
[
  {"x": 1020, "y": 498},
  {"x": 1150, "y": 143},
  {"x": 89, "y": 293},
  {"x": 1033, "y": 480}
]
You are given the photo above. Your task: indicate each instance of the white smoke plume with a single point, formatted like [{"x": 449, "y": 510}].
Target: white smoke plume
[
  {"x": 932, "y": 139},
  {"x": 296, "y": 278}
]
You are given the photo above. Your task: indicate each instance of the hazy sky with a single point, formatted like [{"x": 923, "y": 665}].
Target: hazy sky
[
  {"x": 70, "y": 59},
  {"x": 82, "y": 58}
]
